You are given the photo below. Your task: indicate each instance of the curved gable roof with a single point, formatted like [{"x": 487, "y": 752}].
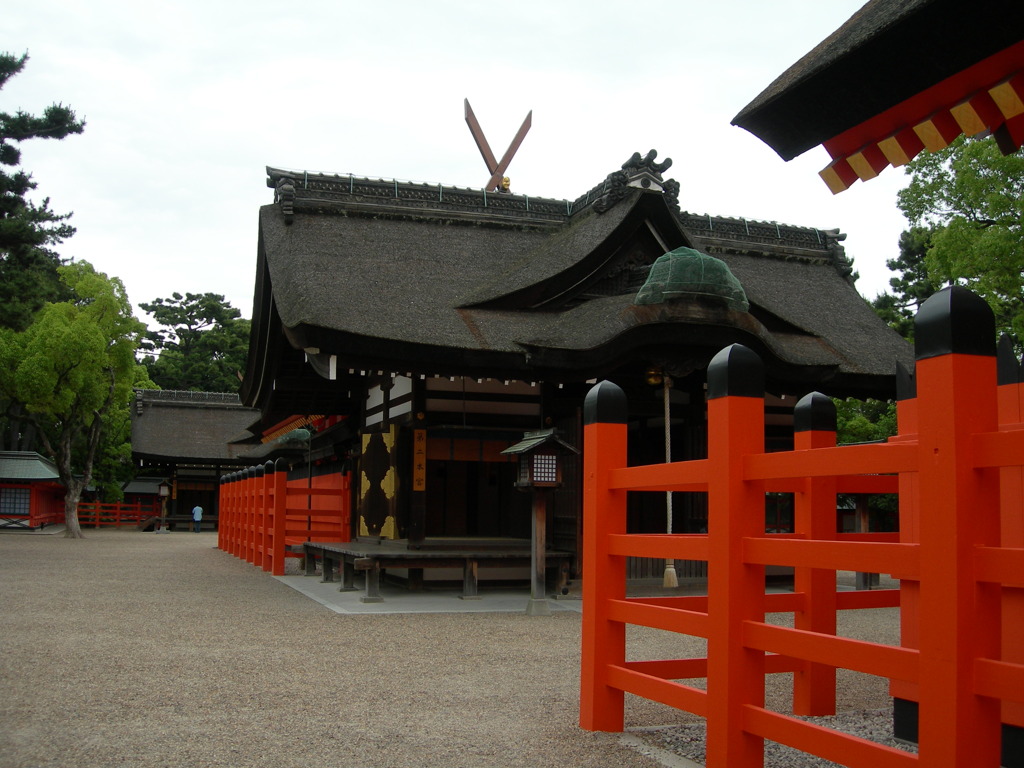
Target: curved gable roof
[{"x": 364, "y": 275}]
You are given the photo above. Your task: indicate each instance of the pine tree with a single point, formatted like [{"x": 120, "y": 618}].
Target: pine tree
[
  {"x": 912, "y": 285},
  {"x": 201, "y": 345},
  {"x": 28, "y": 230}
]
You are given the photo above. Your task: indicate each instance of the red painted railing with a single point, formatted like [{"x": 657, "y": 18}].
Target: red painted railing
[
  {"x": 959, "y": 555},
  {"x": 98, "y": 514},
  {"x": 262, "y": 513}
]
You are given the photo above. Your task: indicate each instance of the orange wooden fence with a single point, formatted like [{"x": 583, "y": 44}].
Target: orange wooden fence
[
  {"x": 959, "y": 556},
  {"x": 262, "y": 513},
  {"x": 97, "y": 513}
]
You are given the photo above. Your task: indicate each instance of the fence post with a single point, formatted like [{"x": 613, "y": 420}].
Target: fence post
[
  {"x": 280, "y": 516},
  {"x": 1011, "y": 486},
  {"x": 814, "y": 426},
  {"x": 229, "y": 535},
  {"x": 959, "y": 617},
  {"x": 267, "y": 516},
  {"x": 224, "y": 528},
  {"x": 236, "y": 506},
  {"x": 247, "y": 507},
  {"x": 735, "y": 589},
  {"x": 906, "y": 694},
  {"x": 346, "y": 507},
  {"x": 222, "y": 510},
  {"x": 254, "y": 515},
  {"x": 605, "y": 412}
]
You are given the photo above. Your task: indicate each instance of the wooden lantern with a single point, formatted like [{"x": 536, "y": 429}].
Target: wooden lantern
[{"x": 539, "y": 456}]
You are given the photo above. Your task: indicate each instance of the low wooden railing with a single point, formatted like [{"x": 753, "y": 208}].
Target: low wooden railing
[
  {"x": 263, "y": 515},
  {"x": 957, "y": 462},
  {"x": 97, "y": 514}
]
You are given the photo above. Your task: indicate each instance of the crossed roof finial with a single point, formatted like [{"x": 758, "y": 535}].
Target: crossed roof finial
[{"x": 497, "y": 169}]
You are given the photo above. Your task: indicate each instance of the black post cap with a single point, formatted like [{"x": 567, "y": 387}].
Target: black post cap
[
  {"x": 736, "y": 371},
  {"x": 906, "y": 383},
  {"x": 954, "y": 321},
  {"x": 1007, "y": 365},
  {"x": 268, "y": 468},
  {"x": 814, "y": 412},
  {"x": 605, "y": 403}
]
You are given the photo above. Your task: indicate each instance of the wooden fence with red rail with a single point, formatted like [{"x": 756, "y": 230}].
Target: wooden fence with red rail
[
  {"x": 263, "y": 513},
  {"x": 959, "y": 556},
  {"x": 97, "y": 514}
]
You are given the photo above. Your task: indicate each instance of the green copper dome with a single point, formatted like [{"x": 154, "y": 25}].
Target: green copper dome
[{"x": 686, "y": 272}]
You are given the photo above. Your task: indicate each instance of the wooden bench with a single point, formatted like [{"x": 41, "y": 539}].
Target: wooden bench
[{"x": 373, "y": 559}]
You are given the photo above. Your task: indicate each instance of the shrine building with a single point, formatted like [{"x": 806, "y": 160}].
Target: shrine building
[{"x": 416, "y": 331}]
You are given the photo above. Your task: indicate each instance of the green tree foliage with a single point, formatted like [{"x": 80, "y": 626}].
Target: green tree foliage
[
  {"x": 973, "y": 197},
  {"x": 863, "y": 421},
  {"x": 71, "y": 374},
  {"x": 912, "y": 285},
  {"x": 202, "y": 344},
  {"x": 28, "y": 231},
  {"x": 114, "y": 466}
]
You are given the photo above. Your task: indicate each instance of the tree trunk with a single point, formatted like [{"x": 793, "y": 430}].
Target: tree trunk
[{"x": 73, "y": 530}]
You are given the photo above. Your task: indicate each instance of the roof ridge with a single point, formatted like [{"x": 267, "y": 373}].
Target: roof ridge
[
  {"x": 321, "y": 192},
  {"x": 319, "y": 189},
  {"x": 186, "y": 396},
  {"x": 781, "y": 229}
]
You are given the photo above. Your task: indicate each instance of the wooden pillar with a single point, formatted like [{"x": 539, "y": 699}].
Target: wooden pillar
[
  {"x": 1011, "y": 483},
  {"x": 372, "y": 571},
  {"x": 905, "y": 694},
  {"x": 470, "y": 580},
  {"x": 279, "y": 518},
  {"x": 959, "y": 617},
  {"x": 735, "y": 589},
  {"x": 814, "y": 685},
  {"x": 863, "y": 525},
  {"x": 605, "y": 413},
  {"x": 266, "y": 535},
  {"x": 538, "y": 604}
]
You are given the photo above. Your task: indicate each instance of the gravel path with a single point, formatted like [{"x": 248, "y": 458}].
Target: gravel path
[{"x": 136, "y": 649}]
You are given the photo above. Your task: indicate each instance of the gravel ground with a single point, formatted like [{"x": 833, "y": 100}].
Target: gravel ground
[{"x": 136, "y": 649}]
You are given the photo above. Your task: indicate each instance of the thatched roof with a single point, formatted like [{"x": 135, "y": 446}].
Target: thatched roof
[
  {"x": 190, "y": 427},
  {"x": 356, "y": 274}
]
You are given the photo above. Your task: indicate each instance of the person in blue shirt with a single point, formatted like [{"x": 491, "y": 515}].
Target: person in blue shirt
[{"x": 197, "y": 518}]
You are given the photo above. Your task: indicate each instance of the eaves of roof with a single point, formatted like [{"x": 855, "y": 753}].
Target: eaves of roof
[
  {"x": 26, "y": 465},
  {"x": 884, "y": 55}
]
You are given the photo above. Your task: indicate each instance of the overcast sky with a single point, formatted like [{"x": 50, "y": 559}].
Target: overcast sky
[{"x": 187, "y": 102}]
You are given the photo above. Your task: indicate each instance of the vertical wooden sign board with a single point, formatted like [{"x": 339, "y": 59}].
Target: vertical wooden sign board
[{"x": 418, "y": 508}]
